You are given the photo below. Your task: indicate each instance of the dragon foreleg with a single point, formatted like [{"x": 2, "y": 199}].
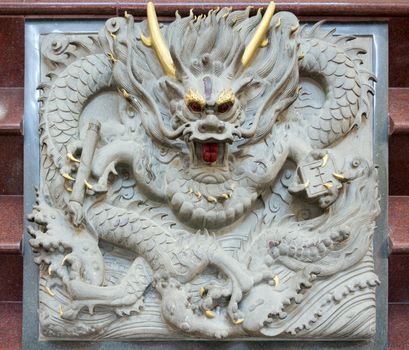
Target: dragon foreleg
[{"x": 122, "y": 152}]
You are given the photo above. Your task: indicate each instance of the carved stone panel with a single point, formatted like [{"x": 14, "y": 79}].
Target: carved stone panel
[{"x": 208, "y": 178}]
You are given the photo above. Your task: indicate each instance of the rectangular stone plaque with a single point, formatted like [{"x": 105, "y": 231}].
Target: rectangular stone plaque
[{"x": 220, "y": 177}]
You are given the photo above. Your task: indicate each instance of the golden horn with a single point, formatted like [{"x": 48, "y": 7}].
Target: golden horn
[
  {"x": 157, "y": 42},
  {"x": 259, "y": 35}
]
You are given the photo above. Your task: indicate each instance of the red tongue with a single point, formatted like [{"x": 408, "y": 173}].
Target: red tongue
[{"x": 210, "y": 152}]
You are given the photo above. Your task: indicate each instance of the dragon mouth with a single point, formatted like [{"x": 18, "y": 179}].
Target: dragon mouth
[
  {"x": 209, "y": 161},
  {"x": 213, "y": 154}
]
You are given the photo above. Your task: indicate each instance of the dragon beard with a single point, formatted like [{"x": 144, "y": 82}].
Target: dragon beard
[{"x": 209, "y": 195}]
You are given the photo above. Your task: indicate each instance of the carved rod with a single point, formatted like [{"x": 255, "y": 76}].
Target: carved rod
[{"x": 84, "y": 170}]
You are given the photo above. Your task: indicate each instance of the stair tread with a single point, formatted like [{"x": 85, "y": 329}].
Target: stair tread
[
  {"x": 11, "y": 219},
  {"x": 399, "y": 224}
]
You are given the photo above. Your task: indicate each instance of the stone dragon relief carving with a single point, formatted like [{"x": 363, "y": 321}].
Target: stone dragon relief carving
[{"x": 196, "y": 183}]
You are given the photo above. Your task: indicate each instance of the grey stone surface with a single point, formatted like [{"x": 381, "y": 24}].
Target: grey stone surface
[{"x": 224, "y": 202}]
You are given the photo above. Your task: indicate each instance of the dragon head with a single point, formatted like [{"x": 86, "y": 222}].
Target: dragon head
[
  {"x": 210, "y": 117},
  {"x": 207, "y": 87}
]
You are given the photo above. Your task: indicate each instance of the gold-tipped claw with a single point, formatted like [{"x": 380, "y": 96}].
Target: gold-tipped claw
[
  {"x": 124, "y": 93},
  {"x": 338, "y": 176},
  {"x": 328, "y": 185},
  {"x": 50, "y": 271},
  {"x": 68, "y": 189},
  {"x": 64, "y": 260},
  {"x": 324, "y": 161},
  {"x": 210, "y": 314},
  {"x": 87, "y": 184},
  {"x": 202, "y": 292},
  {"x": 239, "y": 321},
  {"x": 294, "y": 28},
  {"x": 278, "y": 24},
  {"x": 49, "y": 291},
  {"x": 61, "y": 313},
  {"x": 112, "y": 57},
  {"x": 126, "y": 14},
  {"x": 71, "y": 157},
  {"x": 276, "y": 281},
  {"x": 198, "y": 194},
  {"x": 300, "y": 57},
  {"x": 306, "y": 184},
  {"x": 112, "y": 35},
  {"x": 68, "y": 177},
  {"x": 264, "y": 43}
]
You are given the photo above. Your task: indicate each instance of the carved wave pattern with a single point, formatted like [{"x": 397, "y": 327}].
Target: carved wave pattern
[{"x": 340, "y": 308}]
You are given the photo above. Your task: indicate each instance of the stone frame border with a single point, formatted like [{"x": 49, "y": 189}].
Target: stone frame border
[{"x": 33, "y": 30}]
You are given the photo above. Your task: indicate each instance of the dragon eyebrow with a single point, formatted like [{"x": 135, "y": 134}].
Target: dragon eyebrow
[
  {"x": 226, "y": 96},
  {"x": 194, "y": 96}
]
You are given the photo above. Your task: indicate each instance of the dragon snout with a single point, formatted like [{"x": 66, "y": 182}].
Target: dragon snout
[{"x": 211, "y": 124}]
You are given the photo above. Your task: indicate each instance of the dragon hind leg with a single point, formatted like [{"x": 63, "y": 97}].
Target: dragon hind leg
[{"x": 240, "y": 281}]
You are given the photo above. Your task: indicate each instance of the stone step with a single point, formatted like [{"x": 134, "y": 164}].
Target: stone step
[
  {"x": 11, "y": 139},
  {"x": 11, "y": 110},
  {"x": 398, "y": 141},
  {"x": 11, "y": 223},
  {"x": 399, "y": 224},
  {"x": 399, "y": 259},
  {"x": 398, "y": 111}
]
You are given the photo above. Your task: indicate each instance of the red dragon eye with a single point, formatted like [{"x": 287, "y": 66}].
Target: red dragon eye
[
  {"x": 224, "y": 107},
  {"x": 195, "y": 107}
]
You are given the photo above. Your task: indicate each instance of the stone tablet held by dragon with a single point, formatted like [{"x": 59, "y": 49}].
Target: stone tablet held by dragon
[{"x": 210, "y": 177}]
